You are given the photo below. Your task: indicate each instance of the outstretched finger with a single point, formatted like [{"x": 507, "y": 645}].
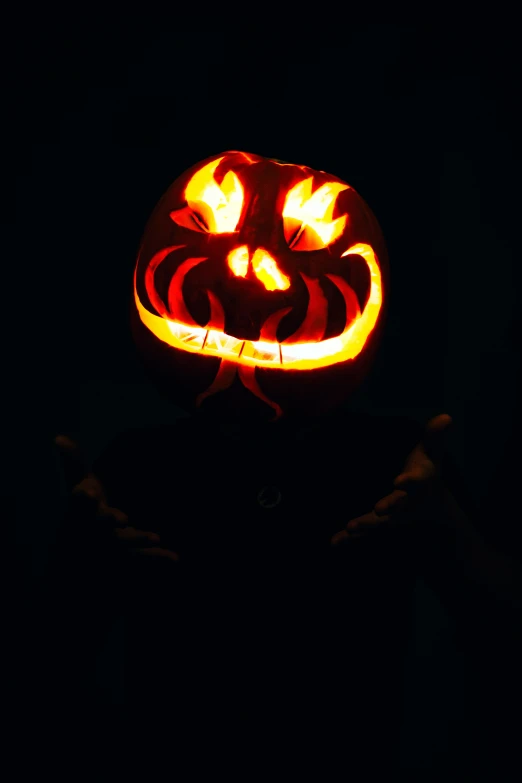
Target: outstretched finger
[
  {"x": 339, "y": 539},
  {"x": 117, "y": 517},
  {"x": 410, "y": 480},
  {"x": 158, "y": 552},
  {"x": 358, "y": 526},
  {"x": 129, "y": 535},
  {"x": 395, "y": 501},
  {"x": 367, "y": 522}
]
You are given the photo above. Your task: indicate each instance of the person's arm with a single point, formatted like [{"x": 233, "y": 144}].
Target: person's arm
[
  {"x": 464, "y": 569},
  {"x": 87, "y": 584},
  {"x": 452, "y": 556}
]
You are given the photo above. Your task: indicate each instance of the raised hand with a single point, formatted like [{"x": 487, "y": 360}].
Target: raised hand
[
  {"x": 92, "y": 527},
  {"x": 416, "y": 489}
]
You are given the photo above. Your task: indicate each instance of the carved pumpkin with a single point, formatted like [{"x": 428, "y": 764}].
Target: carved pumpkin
[{"x": 260, "y": 281}]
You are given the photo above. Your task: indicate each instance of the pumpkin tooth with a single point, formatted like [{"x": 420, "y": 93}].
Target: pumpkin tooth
[
  {"x": 177, "y": 307},
  {"x": 271, "y": 324},
  {"x": 193, "y": 336},
  {"x": 353, "y": 311},
  {"x": 262, "y": 352},
  {"x": 153, "y": 264},
  {"x": 217, "y": 314},
  {"x": 314, "y": 325},
  {"x": 222, "y": 344}
]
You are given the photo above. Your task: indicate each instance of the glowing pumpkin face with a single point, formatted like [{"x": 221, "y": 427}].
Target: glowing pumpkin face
[{"x": 266, "y": 272}]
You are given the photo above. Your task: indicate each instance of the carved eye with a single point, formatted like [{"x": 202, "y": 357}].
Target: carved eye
[
  {"x": 211, "y": 208},
  {"x": 307, "y": 217}
]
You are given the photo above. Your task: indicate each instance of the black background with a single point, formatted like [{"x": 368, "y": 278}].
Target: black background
[{"x": 101, "y": 115}]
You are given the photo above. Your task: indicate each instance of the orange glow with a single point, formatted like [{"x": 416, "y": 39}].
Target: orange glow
[
  {"x": 307, "y": 217},
  {"x": 268, "y": 272},
  {"x": 270, "y": 353},
  {"x": 219, "y": 206},
  {"x": 314, "y": 325},
  {"x": 238, "y": 261}
]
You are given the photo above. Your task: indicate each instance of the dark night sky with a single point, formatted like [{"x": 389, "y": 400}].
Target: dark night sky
[{"x": 420, "y": 120}]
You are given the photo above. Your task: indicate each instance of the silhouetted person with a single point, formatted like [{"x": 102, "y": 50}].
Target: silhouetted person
[{"x": 266, "y": 579}]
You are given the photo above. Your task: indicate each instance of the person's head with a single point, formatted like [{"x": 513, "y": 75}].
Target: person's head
[{"x": 260, "y": 290}]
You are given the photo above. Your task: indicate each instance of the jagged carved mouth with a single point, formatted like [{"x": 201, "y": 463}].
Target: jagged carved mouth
[{"x": 175, "y": 326}]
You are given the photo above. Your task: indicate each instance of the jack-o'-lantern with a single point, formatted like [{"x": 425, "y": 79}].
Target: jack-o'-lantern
[{"x": 262, "y": 282}]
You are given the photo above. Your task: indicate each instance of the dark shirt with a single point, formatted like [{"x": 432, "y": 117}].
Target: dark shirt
[{"x": 261, "y": 620}]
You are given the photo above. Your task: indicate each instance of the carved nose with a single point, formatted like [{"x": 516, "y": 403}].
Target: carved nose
[
  {"x": 263, "y": 265},
  {"x": 239, "y": 261}
]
